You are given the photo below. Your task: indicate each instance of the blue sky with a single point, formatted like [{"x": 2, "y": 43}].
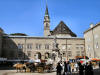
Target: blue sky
[{"x": 26, "y": 16}]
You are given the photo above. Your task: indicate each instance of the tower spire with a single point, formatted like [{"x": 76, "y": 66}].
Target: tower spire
[
  {"x": 46, "y": 12},
  {"x": 46, "y": 22}
]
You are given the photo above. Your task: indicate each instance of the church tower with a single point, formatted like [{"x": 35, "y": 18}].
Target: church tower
[{"x": 46, "y": 23}]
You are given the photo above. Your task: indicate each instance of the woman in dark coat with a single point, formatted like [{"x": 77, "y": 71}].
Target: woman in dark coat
[
  {"x": 99, "y": 64},
  {"x": 59, "y": 69},
  {"x": 81, "y": 68},
  {"x": 90, "y": 69},
  {"x": 65, "y": 68},
  {"x": 87, "y": 69}
]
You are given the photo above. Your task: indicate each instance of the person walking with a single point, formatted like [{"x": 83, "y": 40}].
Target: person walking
[
  {"x": 90, "y": 69},
  {"x": 72, "y": 66},
  {"x": 81, "y": 68},
  {"x": 69, "y": 68},
  {"x": 62, "y": 65},
  {"x": 65, "y": 68},
  {"x": 99, "y": 65},
  {"x": 87, "y": 69},
  {"x": 59, "y": 69},
  {"x": 76, "y": 67}
]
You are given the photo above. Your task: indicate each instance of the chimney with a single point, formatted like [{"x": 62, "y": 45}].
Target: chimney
[{"x": 91, "y": 25}]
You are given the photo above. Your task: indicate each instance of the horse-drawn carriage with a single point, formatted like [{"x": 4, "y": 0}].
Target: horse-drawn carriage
[
  {"x": 42, "y": 67},
  {"x": 34, "y": 67}
]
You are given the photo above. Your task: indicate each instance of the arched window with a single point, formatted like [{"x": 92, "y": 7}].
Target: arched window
[{"x": 47, "y": 25}]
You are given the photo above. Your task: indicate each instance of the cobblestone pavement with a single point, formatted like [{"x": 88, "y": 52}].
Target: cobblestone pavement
[
  {"x": 5, "y": 72},
  {"x": 32, "y": 73},
  {"x": 13, "y": 72}
]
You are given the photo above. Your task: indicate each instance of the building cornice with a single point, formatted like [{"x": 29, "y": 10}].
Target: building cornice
[
  {"x": 42, "y": 37},
  {"x": 92, "y": 28}
]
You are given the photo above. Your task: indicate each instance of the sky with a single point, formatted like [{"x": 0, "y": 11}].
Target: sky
[{"x": 26, "y": 16}]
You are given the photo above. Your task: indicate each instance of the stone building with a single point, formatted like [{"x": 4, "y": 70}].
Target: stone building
[
  {"x": 1, "y": 35},
  {"x": 92, "y": 41},
  {"x": 30, "y": 47},
  {"x": 24, "y": 47}
]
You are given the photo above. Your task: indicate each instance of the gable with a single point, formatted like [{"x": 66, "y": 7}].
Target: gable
[{"x": 63, "y": 29}]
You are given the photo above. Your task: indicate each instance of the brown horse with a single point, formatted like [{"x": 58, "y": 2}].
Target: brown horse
[{"x": 20, "y": 67}]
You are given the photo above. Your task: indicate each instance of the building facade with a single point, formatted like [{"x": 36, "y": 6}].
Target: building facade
[
  {"x": 92, "y": 41},
  {"x": 30, "y": 47},
  {"x": 0, "y": 45},
  {"x": 1, "y": 37},
  {"x": 24, "y": 47}
]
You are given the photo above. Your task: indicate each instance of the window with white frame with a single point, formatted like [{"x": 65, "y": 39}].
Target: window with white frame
[
  {"x": 77, "y": 53},
  {"x": 96, "y": 36},
  {"x": 77, "y": 47},
  {"x": 38, "y": 46},
  {"x": 88, "y": 47},
  {"x": 83, "y": 53},
  {"x": 89, "y": 39},
  {"x": 69, "y": 47},
  {"x": 82, "y": 48},
  {"x": 97, "y": 45},
  {"x": 63, "y": 46},
  {"x": 20, "y": 46},
  {"x": 29, "y": 46},
  {"x": 69, "y": 53},
  {"x": 47, "y": 46}
]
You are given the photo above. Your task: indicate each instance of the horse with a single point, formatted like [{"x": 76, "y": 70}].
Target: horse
[{"x": 20, "y": 67}]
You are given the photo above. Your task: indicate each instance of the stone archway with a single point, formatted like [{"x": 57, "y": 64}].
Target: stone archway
[
  {"x": 38, "y": 55},
  {"x": 47, "y": 55}
]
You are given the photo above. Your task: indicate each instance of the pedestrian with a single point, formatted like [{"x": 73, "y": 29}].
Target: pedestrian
[
  {"x": 99, "y": 64},
  {"x": 59, "y": 69},
  {"x": 87, "y": 69},
  {"x": 69, "y": 68},
  {"x": 81, "y": 68},
  {"x": 76, "y": 67},
  {"x": 72, "y": 66},
  {"x": 65, "y": 68},
  {"x": 62, "y": 65},
  {"x": 90, "y": 69}
]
